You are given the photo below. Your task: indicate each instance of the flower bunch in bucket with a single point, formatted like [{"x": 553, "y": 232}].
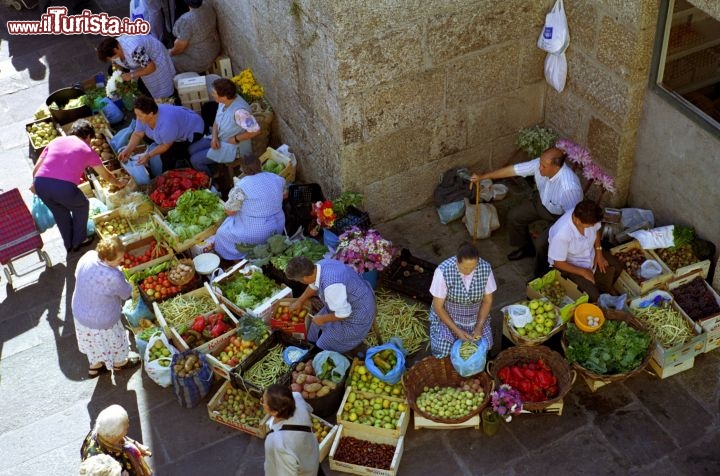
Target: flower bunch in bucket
[
  {"x": 248, "y": 87},
  {"x": 506, "y": 402},
  {"x": 365, "y": 250},
  {"x": 116, "y": 88},
  {"x": 328, "y": 211}
]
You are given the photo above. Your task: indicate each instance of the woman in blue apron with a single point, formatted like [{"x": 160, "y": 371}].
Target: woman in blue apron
[{"x": 462, "y": 290}]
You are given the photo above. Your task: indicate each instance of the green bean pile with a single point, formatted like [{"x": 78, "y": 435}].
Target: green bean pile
[
  {"x": 396, "y": 318},
  {"x": 268, "y": 369},
  {"x": 666, "y": 324},
  {"x": 179, "y": 310}
]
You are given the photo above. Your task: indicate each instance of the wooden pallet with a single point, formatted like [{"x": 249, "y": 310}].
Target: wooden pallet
[{"x": 423, "y": 423}]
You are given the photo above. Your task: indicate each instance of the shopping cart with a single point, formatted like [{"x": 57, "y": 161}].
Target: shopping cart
[{"x": 18, "y": 235}]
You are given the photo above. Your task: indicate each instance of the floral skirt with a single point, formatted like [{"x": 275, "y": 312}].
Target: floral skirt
[{"x": 107, "y": 346}]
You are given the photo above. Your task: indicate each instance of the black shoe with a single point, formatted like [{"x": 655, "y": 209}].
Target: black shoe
[
  {"x": 85, "y": 243},
  {"x": 520, "y": 253}
]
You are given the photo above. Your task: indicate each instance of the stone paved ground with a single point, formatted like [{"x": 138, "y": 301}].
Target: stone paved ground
[{"x": 47, "y": 404}]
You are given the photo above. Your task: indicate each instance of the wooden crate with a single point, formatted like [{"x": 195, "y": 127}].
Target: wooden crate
[
  {"x": 288, "y": 173},
  {"x": 262, "y": 311},
  {"x": 342, "y": 466},
  {"x": 139, "y": 247},
  {"x": 102, "y": 192},
  {"x": 193, "y": 92},
  {"x": 35, "y": 149},
  {"x": 396, "y": 432},
  {"x": 222, "y": 67},
  {"x": 702, "y": 267},
  {"x": 326, "y": 442},
  {"x": 86, "y": 189},
  {"x": 627, "y": 284},
  {"x": 174, "y": 240},
  {"x": 99, "y": 118},
  {"x": 593, "y": 384},
  {"x": 260, "y": 431},
  {"x": 523, "y": 340},
  {"x": 680, "y": 352},
  {"x": 205, "y": 289},
  {"x": 221, "y": 369},
  {"x": 209, "y": 346},
  {"x": 423, "y": 423},
  {"x": 669, "y": 370},
  {"x": 101, "y": 218},
  {"x": 710, "y": 324}
]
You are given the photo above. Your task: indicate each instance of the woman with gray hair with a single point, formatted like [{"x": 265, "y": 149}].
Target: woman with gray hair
[{"x": 109, "y": 437}]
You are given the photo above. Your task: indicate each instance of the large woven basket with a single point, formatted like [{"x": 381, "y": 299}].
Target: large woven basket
[
  {"x": 524, "y": 354},
  {"x": 430, "y": 372},
  {"x": 633, "y": 322}
]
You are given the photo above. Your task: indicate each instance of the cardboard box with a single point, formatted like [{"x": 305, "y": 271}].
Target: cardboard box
[
  {"x": 627, "y": 284},
  {"x": 259, "y": 431},
  {"x": 667, "y": 371},
  {"x": 396, "y": 432},
  {"x": 336, "y": 465},
  {"x": 295, "y": 329},
  {"x": 263, "y": 310},
  {"x": 680, "y": 352},
  {"x": 573, "y": 295}
]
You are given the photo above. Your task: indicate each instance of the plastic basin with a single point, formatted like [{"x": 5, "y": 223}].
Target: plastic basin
[{"x": 581, "y": 314}]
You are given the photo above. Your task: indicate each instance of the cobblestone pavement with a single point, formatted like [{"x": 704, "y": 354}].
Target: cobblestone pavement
[{"x": 47, "y": 404}]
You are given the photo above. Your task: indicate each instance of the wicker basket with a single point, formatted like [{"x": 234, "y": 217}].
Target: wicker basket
[
  {"x": 524, "y": 354},
  {"x": 189, "y": 277},
  {"x": 517, "y": 339},
  {"x": 633, "y": 322},
  {"x": 430, "y": 372}
]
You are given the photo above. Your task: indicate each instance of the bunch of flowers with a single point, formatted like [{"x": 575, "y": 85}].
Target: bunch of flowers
[
  {"x": 117, "y": 88},
  {"x": 506, "y": 402},
  {"x": 580, "y": 156},
  {"x": 324, "y": 214},
  {"x": 248, "y": 87},
  {"x": 364, "y": 250}
]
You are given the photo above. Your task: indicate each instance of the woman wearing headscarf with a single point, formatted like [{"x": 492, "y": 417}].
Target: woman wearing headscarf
[
  {"x": 109, "y": 437},
  {"x": 197, "y": 42},
  {"x": 462, "y": 288},
  {"x": 255, "y": 211}
]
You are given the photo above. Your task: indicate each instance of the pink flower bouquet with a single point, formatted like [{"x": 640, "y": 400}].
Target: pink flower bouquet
[{"x": 364, "y": 250}]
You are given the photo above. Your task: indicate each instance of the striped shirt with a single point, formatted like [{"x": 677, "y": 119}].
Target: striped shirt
[{"x": 559, "y": 193}]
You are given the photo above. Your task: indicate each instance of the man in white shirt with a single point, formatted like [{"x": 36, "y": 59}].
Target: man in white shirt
[
  {"x": 575, "y": 250},
  {"x": 558, "y": 190}
]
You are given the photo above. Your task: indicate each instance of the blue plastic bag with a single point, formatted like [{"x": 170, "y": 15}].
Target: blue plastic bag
[
  {"x": 133, "y": 314},
  {"x": 44, "y": 219},
  {"x": 122, "y": 137},
  {"x": 138, "y": 172},
  {"x": 190, "y": 390},
  {"x": 111, "y": 111},
  {"x": 393, "y": 375},
  {"x": 449, "y": 212},
  {"x": 342, "y": 364},
  {"x": 293, "y": 354},
  {"x": 474, "y": 364}
]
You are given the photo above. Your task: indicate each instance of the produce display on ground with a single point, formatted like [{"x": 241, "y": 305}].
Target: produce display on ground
[
  {"x": 370, "y": 410},
  {"x": 146, "y": 333},
  {"x": 115, "y": 226},
  {"x": 180, "y": 309},
  {"x": 240, "y": 407},
  {"x": 364, "y": 453},
  {"x": 195, "y": 211},
  {"x": 385, "y": 360},
  {"x": 696, "y": 299},
  {"x": 154, "y": 251},
  {"x": 204, "y": 328},
  {"x": 260, "y": 254},
  {"x": 306, "y": 247},
  {"x": 677, "y": 257},
  {"x": 397, "y": 318},
  {"x": 361, "y": 379},
  {"x": 250, "y": 333},
  {"x": 615, "y": 349},
  {"x": 535, "y": 381},
  {"x": 666, "y": 324},
  {"x": 41, "y": 133},
  {"x": 248, "y": 293},
  {"x": 451, "y": 402},
  {"x": 159, "y": 287},
  {"x": 168, "y": 187},
  {"x": 157, "y": 351},
  {"x": 544, "y": 319},
  {"x": 309, "y": 384},
  {"x": 267, "y": 370},
  {"x": 187, "y": 366},
  {"x": 633, "y": 260},
  {"x": 320, "y": 429},
  {"x": 100, "y": 145}
]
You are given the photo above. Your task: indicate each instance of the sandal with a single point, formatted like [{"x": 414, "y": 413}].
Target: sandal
[
  {"x": 94, "y": 372},
  {"x": 130, "y": 362}
]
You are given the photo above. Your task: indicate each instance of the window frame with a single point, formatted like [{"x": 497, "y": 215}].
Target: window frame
[{"x": 675, "y": 100}]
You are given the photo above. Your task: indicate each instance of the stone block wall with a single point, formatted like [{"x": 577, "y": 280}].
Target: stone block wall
[
  {"x": 381, "y": 97},
  {"x": 609, "y": 58}
]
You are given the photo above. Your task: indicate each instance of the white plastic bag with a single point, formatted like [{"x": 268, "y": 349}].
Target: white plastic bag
[
  {"x": 662, "y": 237},
  {"x": 556, "y": 71},
  {"x": 159, "y": 373},
  {"x": 650, "y": 268},
  {"x": 632, "y": 217},
  {"x": 519, "y": 315},
  {"x": 487, "y": 219},
  {"x": 555, "y": 37}
]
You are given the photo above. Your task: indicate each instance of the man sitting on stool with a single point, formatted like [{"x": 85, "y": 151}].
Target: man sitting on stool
[{"x": 558, "y": 190}]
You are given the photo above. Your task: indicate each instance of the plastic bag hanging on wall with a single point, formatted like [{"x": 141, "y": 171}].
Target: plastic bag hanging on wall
[{"x": 555, "y": 39}]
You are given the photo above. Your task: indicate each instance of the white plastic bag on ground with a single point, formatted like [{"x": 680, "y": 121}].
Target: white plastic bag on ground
[
  {"x": 156, "y": 370},
  {"x": 556, "y": 71},
  {"x": 487, "y": 219},
  {"x": 662, "y": 237},
  {"x": 555, "y": 37}
]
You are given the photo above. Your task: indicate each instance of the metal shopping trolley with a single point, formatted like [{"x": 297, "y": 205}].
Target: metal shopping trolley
[{"x": 18, "y": 235}]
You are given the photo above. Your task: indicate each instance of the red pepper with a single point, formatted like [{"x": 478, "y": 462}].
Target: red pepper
[
  {"x": 517, "y": 372},
  {"x": 198, "y": 324},
  {"x": 504, "y": 374}
]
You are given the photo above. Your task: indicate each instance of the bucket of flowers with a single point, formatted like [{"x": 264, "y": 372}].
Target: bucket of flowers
[
  {"x": 335, "y": 216},
  {"x": 366, "y": 251}
]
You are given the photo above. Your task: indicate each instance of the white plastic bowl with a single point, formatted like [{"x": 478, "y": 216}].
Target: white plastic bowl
[{"x": 206, "y": 263}]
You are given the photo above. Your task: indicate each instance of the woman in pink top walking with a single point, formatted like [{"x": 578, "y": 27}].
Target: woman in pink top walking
[{"x": 56, "y": 177}]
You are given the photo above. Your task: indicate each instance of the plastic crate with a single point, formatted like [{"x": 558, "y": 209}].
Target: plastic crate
[
  {"x": 417, "y": 284},
  {"x": 353, "y": 218},
  {"x": 298, "y": 206}
]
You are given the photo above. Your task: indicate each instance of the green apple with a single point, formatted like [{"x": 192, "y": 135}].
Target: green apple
[
  {"x": 548, "y": 307},
  {"x": 534, "y": 305}
]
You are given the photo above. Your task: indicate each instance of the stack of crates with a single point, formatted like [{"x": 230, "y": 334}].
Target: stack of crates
[{"x": 193, "y": 92}]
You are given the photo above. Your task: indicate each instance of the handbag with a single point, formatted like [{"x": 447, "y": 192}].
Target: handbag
[{"x": 224, "y": 154}]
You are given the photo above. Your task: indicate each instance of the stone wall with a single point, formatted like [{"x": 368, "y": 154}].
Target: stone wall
[
  {"x": 608, "y": 65},
  {"x": 381, "y": 97}
]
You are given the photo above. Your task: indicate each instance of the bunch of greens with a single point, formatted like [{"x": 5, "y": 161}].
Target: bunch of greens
[
  {"x": 248, "y": 293},
  {"x": 682, "y": 235},
  {"x": 196, "y": 210},
  {"x": 615, "y": 349},
  {"x": 534, "y": 140},
  {"x": 260, "y": 254},
  {"x": 307, "y": 247},
  {"x": 252, "y": 329},
  {"x": 346, "y": 200}
]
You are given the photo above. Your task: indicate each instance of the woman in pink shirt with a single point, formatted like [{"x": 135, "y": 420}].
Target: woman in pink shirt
[{"x": 56, "y": 177}]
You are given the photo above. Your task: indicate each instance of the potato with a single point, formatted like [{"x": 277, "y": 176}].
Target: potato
[
  {"x": 312, "y": 395},
  {"x": 106, "y": 155},
  {"x": 311, "y": 379},
  {"x": 323, "y": 391},
  {"x": 301, "y": 379},
  {"x": 304, "y": 394},
  {"x": 312, "y": 387},
  {"x": 296, "y": 387}
]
